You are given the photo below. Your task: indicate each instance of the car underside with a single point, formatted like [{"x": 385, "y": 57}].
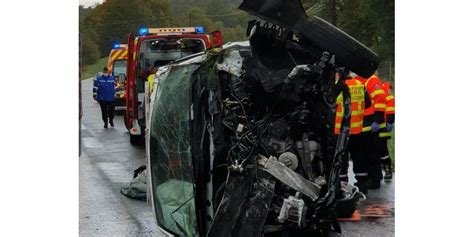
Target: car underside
[{"x": 242, "y": 137}]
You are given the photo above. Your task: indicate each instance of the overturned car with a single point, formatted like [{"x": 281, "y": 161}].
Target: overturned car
[{"x": 241, "y": 138}]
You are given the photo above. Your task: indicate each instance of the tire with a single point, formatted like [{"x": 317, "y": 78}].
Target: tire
[
  {"x": 125, "y": 118},
  {"x": 136, "y": 139},
  {"x": 290, "y": 14},
  {"x": 348, "y": 51}
]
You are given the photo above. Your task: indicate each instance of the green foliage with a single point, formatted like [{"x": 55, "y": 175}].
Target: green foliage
[
  {"x": 372, "y": 22},
  {"x": 91, "y": 70},
  {"x": 90, "y": 50},
  {"x": 369, "y": 21}
]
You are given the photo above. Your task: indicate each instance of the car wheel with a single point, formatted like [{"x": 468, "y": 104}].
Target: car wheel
[{"x": 348, "y": 51}]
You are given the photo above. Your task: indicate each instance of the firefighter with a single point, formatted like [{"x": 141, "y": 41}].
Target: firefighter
[
  {"x": 386, "y": 134},
  {"x": 104, "y": 93},
  {"x": 359, "y": 101},
  {"x": 150, "y": 78},
  {"x": 374, "y": 119}
]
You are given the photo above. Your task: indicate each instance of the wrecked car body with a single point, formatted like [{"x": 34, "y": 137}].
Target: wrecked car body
[{"x": 241, "y": 139}]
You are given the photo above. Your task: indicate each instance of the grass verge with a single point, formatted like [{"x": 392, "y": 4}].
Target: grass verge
[{"x": 89, "y": 71}]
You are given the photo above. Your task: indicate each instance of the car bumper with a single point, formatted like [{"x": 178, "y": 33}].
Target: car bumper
[{"x": 120, "y": 103}]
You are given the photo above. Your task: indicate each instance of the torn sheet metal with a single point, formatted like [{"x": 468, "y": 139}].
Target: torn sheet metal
[
  {"x": 230, "y": 207},
  {"x": 254, "y": 215},
  {"x": 232, "y": 63},
  {"x": 290, "y": 177}
]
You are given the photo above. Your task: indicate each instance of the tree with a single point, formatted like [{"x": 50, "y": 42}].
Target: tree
[{"x": 90, "y": 50}]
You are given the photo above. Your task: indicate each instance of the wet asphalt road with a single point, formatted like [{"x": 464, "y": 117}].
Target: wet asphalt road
[{"x": 107, "y": 163}]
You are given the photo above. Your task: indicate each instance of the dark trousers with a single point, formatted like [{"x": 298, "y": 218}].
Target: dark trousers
[
  {"x": 108, "y": 110},
  {"x": 355, "y": 148},
  {"x": 371, "y": 143},
  {"x": 384, "y": 154}
]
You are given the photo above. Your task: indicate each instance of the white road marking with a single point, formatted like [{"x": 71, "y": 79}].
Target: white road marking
[
  {"x": 116, "y": 172},
  {"x": 91, "y": 142},
  {"x": 83, "y": 127}
]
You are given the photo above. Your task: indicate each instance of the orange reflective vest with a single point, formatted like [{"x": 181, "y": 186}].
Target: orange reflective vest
[
  {"x": 374, "y": 87},
  {"x": 390, "y": 99},
  {"x": 357, "y": 92},
  {"x": 390, "y": 109}
]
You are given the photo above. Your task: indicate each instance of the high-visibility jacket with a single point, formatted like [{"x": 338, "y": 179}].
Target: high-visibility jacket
[
  {"x": 376, "y": 111},
  {"x": 389, "y": 110},
  {"x": 150, "y": 79},
  {"x": 357, "y": 93}
]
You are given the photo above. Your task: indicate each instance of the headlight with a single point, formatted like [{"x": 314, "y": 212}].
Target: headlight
[{"x": 119, "y": 94}]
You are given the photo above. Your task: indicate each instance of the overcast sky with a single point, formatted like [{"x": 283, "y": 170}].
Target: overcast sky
[{"x": 88, "y": 3}]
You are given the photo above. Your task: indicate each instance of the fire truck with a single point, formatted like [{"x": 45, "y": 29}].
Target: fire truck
[
  {"x": 152, "y": 48},
  {"x": 117, "y": 65}
]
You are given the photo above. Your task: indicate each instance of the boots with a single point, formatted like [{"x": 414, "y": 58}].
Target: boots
[
  {"x": 111, "y": 123},
  {"x": 387, "y": 167},
  {"x": 361, "y": 184},
  {"x": 105, "y": 124}
]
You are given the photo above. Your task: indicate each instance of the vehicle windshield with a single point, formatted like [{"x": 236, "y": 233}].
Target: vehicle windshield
[
  {"x": 119, "y": 67},
  {"x": 170, "y": 154},
  {"x": 154, "y": 53}
]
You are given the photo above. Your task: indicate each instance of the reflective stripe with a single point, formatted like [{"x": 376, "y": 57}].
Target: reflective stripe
[
  {"x": 355, "y": 112},
  {"x": 366, "y": 129},
  {"x": 360, "y": 174},
  {"x": 376, "y": 92},
  {"x": 385, "y": 134},
  {"x": 357, "y": 124},
  {"x": 390, "y": 109},
  {"x": 384, "y": 158},
  {"x": 380, "y": 106},
  {"x": 383, "y": 125},
  {"x": 390, "y": 97}
]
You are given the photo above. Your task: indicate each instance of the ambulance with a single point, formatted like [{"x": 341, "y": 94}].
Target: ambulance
[
  {"x": 150, "y": 49},
  {"x": 117, "y": 65}
]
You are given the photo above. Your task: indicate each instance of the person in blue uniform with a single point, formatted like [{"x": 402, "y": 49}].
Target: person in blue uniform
[{"x": 104, "y": 93}]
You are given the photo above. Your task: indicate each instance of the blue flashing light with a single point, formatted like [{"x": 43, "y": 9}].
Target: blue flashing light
[
  {"x": 143, "y": 31},
  {"x": 116, "y": 46},
  {"x": 199, "y": 29}
]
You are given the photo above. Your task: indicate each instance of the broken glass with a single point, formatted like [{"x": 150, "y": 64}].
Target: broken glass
[{"x": 170, "y": 157}]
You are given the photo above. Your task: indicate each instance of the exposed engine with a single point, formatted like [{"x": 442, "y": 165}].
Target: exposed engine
[
  {"x": 263, "y": 157},
  {"x": 272, "y": 126}
]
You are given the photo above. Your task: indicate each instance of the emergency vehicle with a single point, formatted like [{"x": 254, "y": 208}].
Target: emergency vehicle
[
  {"x": 117, "y": 65},
  {"x": 150, "y": 49}
]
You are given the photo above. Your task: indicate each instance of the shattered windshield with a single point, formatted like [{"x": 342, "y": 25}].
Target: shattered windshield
[{"x": 170, "y": 156}]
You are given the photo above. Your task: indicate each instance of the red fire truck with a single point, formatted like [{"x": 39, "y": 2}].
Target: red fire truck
[{"x": 150, "y": 49}]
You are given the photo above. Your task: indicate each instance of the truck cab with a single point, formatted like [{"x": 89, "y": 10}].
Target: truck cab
[{"x": 150, "y": 49}]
